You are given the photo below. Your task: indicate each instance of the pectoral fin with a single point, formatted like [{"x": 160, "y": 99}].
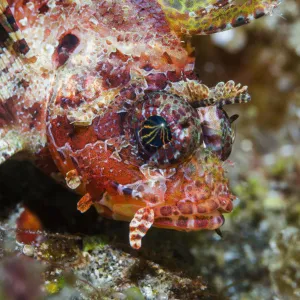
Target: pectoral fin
[
  {"x": 13, "y": 51},
  {"x": 11, "y": 36}
]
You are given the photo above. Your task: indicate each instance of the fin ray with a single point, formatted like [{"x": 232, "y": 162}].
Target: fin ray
[
  {"x": 203, "y": 17},
  {"x": 13, "y": 49}
]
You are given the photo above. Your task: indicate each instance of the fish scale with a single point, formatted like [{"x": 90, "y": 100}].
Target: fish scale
[{"x": 80, "y": 82}]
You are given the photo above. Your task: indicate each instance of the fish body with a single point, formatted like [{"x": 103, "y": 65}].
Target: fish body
[{"x": 104, "y": 93}]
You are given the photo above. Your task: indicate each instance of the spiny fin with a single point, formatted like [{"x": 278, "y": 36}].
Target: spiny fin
[
  {"x": 190, "y": 17},
  {"x": 13, "y": 39},
  {"x": 13, "y": 49},
  {"x": 139, "y": 225}
]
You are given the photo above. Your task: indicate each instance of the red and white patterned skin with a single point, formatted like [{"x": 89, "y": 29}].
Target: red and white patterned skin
[{"x": 80, "y": 80}]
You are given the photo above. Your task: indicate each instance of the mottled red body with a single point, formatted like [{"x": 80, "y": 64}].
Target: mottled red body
[{"x": 106, "y": 90}]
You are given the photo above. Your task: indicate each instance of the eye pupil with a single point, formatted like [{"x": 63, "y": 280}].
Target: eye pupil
[{"x": 155, "y": 132}]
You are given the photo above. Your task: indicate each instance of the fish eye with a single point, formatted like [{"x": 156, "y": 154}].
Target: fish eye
[
  {"x": 166, "y": 129},
  {"x": 155, "y": 133}
]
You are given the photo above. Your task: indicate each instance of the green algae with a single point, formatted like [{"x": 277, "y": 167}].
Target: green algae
[
  {"x": 134, "y": 293},
  {"x": 94, "y": 242},
  {"x": 55, "y": 286}
]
